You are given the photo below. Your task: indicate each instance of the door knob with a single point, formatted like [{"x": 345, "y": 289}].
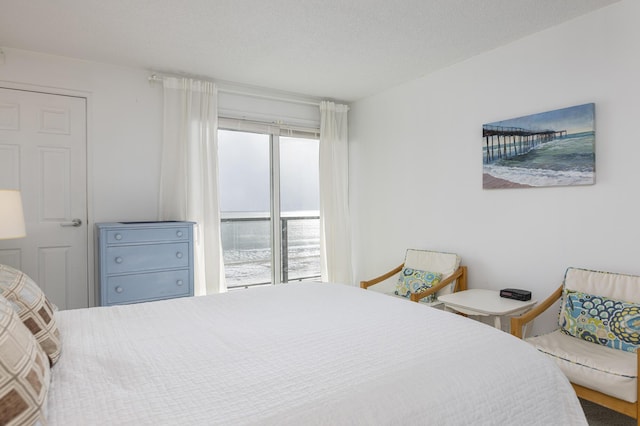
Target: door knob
[{"x": 74, "y": 222}]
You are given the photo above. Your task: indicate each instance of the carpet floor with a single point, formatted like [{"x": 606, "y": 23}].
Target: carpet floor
[{"x": 600, "y": 416}]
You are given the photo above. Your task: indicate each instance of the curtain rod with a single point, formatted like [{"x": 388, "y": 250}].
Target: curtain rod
[{"x": 155, "y": 78}]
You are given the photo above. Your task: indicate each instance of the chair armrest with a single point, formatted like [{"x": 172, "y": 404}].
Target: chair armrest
[
  {"x": 460, "y": 274},
  {"x": 517, "y": 323},
  {"x": 376, "y": 280},
  {"x": 461, "y": 285}
]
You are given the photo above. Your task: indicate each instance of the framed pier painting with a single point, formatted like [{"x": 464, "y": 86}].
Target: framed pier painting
[{"x": 553, "y": 148}]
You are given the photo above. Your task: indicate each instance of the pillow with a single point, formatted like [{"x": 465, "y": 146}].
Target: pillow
[
  {"x": 24, "y": 372},
  {"x": 33, "y": 308},
  {"x": 601, "y": 320},
  {"x": 416, "y": 281}
]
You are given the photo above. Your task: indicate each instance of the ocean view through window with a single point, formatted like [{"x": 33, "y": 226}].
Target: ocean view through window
[{"x": 265, "y": 176}]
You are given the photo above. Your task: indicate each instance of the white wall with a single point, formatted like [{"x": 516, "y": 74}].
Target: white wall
[
  {"x": 416, "y": 161},
  {"x": 124, "y": 127}
]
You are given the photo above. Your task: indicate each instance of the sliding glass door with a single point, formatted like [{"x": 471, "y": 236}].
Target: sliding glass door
[
  {"x": 245, "y": 204},
  {"x": 263, "y": 176},
  {"x": 299, "y": 208}
]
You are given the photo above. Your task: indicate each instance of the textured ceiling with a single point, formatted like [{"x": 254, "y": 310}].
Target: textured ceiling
[{"x": 340, "y": 49}]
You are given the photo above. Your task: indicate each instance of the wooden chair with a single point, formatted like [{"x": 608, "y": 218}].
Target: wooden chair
[
  {"x": 604, "y": 375},
  {"x": 454, "y": 276}
]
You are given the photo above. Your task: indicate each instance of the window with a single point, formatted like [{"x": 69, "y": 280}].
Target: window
[{"x": 264, "y": 175}]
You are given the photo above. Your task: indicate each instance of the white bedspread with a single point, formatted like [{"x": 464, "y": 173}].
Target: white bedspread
[{"x": 298, "y": 354}]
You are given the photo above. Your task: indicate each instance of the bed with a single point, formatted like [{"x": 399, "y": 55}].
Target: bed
[{"x": 298, "y": 354}]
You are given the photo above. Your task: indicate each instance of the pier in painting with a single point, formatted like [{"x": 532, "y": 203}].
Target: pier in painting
[{"x": 504, "y": 142}]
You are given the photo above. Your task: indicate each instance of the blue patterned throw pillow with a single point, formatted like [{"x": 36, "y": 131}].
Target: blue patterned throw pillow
[
  {"x": 416, "y": 281},
  {"x": 602, "y": 320}
]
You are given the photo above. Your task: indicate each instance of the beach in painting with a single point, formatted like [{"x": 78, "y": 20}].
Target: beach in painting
[
  {"x": 489, "y": 181},
  {"x": 564, "y": 157}
]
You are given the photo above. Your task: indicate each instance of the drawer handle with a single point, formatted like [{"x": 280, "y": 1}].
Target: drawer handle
[
  {"x": 118, "y": 259},
  {"x": 119, "y": 289},
  {"x": 179, "y": 255},
  {"x": 179, "y": 282},
  {"x": 179, "y": 234},
  {"x": 118, "y": 237}
]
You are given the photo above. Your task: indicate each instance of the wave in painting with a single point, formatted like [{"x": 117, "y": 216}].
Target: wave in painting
[{"x": 561, "y": 162}]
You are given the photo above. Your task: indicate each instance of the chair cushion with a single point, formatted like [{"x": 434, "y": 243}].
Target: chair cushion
[
  {"x": 610, "y": 371},
  {"x": 33, "y": 308},
  {"x": 607, "y": 284},
  {"x": 416, "y": 281},
  {"x": 435, "y": 261},
  {"x": 601, "y": 320},
  {"x": 435, "y": 303}
]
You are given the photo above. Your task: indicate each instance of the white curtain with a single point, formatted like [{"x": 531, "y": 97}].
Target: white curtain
[
  {"x": 335, "y": 230},
  {"x": 189, "y": 174}
]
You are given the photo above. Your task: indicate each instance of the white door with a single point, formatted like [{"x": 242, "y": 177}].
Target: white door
[{"x": 43, "y": 144}]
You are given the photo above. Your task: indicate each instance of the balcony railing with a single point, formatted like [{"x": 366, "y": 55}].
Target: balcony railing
[{"x": 246, "y": 246}]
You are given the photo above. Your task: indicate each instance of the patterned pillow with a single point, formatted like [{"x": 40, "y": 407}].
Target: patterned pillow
[
  {"x": 601, "y": 320},
  {"x": 33, "y": 308},
  {"x": 24, "y": 372},
  {"x": 416, "y": 281}
]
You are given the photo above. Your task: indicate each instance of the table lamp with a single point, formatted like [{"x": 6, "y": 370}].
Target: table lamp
[{"x": 11, "y": 215}]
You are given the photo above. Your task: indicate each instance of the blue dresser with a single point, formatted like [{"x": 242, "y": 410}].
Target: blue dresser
[{"x": 144, "y": 261}]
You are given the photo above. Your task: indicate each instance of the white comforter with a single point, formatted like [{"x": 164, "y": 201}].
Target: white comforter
[{"x": 298, "y": 354}]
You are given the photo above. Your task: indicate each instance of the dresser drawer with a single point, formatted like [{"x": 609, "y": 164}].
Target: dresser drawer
[
  {"x": 147, "y": 286},
  {"x": 147, "y": 235},
  {"x": 122, "y": 259}
]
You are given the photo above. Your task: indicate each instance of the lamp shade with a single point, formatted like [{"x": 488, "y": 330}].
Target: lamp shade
[{"x": 11, "y": 215}]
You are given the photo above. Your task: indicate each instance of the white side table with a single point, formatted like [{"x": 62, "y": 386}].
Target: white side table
[{"x": 482, "y": 302}]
